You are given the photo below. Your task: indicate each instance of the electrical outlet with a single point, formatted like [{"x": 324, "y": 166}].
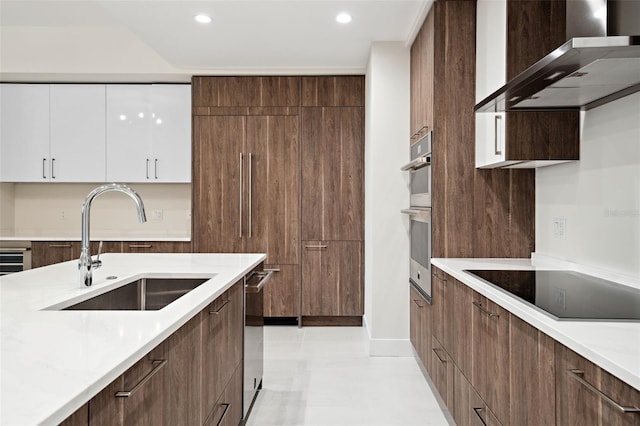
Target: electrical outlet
[
  {"x": 560, "y": 228},
  {"x": 62, "y": 215},
  {"x": 157, "y": 215}
]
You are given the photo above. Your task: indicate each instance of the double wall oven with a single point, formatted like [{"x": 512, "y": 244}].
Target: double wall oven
[{"x": 420, "y": 215}]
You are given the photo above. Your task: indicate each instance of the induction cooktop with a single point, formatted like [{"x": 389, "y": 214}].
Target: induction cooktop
[{"x": 568, "y": 295}]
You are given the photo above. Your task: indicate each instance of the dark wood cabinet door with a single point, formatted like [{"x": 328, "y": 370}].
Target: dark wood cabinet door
[
  {"x": 439, "y": 300},
  {"x": 79, "y": 418},
  {"x": 460, "y": 305},
  {"x": 332, "y": 278},
  {"x": 218, "y": 143},
  {"x": 333, "y": 91},
  {"x": 222, "y": 340},
  {"x": 443, "y": 373},
  {"x": 422, "y": 79},
  {"x": 184, "y": 369},
  {"x": 156, "y": 247},
  {"x": 416, "y": 307},
  {"x": 478, "y": 413},
  {"x": 532, "y": 375},
  {"x": 491, "y": 357},
  {"x": 147, "y": 405},
  {"x": 239, "y": 91},
  {"x": 332, "y": 173},
  {"x": 45, "y": 253},
  {"x": 577, "y": 404},
  {"x": 282, "y": 293},
  {"x": 273, "y": 225}
]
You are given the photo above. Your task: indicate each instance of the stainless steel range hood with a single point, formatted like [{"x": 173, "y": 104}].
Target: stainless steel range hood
[
  {"x": 583, "y": 73},
  {"x": 600, "y": 62}
]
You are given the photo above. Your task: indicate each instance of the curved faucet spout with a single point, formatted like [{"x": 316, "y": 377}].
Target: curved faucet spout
[{"x": 85, "y": 264}]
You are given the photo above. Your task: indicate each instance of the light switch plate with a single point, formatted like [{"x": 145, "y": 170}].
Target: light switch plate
[{"x": 560, "y": 228}]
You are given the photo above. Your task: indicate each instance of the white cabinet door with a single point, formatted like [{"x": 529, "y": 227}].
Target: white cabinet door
[
  {"x": 491, "y": 74},
  {"x": 78, "y": 133},
  {"x": 129, "y": 133},
  {"x": 24, "y": 133},
  {"x": 171, "y": 132}
]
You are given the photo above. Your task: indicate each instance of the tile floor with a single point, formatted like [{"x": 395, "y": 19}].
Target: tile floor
[{"x": 323, "y": 376}]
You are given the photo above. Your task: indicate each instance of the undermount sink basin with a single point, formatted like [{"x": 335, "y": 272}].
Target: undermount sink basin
[{"x": 145, "y": 294}]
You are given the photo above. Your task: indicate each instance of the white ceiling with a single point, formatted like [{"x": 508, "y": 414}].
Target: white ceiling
[{"x": 158, "y": 40}]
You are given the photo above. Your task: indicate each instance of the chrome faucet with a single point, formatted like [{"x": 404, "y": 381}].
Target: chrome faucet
[{"x": 85, "y": 263}]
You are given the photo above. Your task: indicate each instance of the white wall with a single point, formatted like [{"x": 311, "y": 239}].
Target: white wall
[
  {"x": 53, "y": 210},
  {"x": 599, "y": 196},
  {"x": 386, "y": 189}
]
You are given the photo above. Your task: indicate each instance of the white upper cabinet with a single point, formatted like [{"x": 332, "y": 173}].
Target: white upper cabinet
[
  {"x": 491, "y": 74},
  {"x": 171, "y": 132},
  {"x": 77, "y": 133},
  {"x": 149, "y": 133},
  {"x": 24, "y": 133}
]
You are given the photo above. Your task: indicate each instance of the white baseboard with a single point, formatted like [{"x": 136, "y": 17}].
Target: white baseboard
[{"x": 388, "y": 347}]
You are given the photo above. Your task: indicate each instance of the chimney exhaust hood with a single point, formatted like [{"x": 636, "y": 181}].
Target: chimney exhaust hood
[{"x": 583, "y": 73}]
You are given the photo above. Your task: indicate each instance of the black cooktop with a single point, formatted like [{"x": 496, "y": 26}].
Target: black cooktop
[{"x": 568, "y": 294}]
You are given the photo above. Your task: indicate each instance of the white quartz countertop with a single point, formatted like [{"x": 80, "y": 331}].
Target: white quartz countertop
[
  {"x": 52, "y": 362},
  {"x": 612, "y": 345}
]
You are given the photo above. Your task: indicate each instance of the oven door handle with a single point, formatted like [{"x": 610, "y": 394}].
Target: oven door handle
[
  {"x": 264, "y": 277},
  {"x": 418, "y": 163}
]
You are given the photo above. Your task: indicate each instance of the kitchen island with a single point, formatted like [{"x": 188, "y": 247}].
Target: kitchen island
[{"x": 53, "y": 361}]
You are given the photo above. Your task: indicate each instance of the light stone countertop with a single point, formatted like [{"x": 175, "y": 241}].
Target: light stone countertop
[
  {"x": 52, "y": 362},
  {"x": 612, "y": 345}
]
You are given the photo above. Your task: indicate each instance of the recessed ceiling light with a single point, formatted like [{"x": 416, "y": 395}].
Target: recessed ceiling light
[
  {"x": 343, "y": 18},
  {"x": 203, "y": 19}
]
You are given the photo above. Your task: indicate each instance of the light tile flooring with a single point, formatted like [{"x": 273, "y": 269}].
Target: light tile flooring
[{"x": 323, "y": 376}]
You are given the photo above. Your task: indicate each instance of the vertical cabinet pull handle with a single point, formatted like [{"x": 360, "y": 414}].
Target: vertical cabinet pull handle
[
  {"x": 158, "y": 364},
  {"x": 53, "y": 168},
  {"x": 155, "y": 168},
  {"x": 579, "y": 376},
  {"x": 240, "y": 195},
  {"x": 140, "y": 245},
  {"x": 416, "y": 302},
  {"x": 496, "y": 135},
  {"x": 44, "y": 164},
  {"x": 477, "y": 411},
  {"x": 250, "y": 179},
  {"x": 484, "y": 310},
  {"x": 147, "y": 168}
]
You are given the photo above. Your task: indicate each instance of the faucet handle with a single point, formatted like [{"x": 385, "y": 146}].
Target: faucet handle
[{"x": 98, "y": 263}]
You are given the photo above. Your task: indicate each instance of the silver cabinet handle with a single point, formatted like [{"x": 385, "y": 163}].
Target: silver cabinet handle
[
  {"x": 416, "y": 302},
  {"x": 240, "y": 195},
  {"x": 158, "y": 364},
  {"x": 224, "y": 413},
  {"x": 477, "y": 411},
  {"x": 319, "y": 246},
  {"x": 155, "y": 168},
  {"x": 264, "y": 277},
  {"x": 60, "y": 245},
  {"x": 578, "y": 375},
  {"x": 483, "y": 309},
  {"x": 217, "y": 311},
  {"x": 53, "y": 168},
  {"x": 249, "y": 183},
  {"x": 140, "y": 246},
  {"x": 496, "y": 125},
  {"x": 416, "y": 164},
  {"x": 435, "y": 351},
  {"x": 147, "y": 168},
  {"x": 44, "y": 163}
]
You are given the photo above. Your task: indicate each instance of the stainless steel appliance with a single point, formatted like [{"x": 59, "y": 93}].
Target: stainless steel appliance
[
  {"x": 420, "y": 215},
  {"x": 420, "y": 169},
  {"x": 253, "y": 336},
  {"x": 567, "y": 295},
  {"x": 14, "y": 256}
]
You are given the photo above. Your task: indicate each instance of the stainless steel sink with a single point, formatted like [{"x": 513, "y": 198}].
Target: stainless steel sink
[{"x": 145, "y": 294}]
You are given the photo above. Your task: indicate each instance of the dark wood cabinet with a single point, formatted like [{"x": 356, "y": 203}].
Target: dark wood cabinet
[
  {"x": 222, "y": 340},
  {"x": 578, "y": 404},
  {"x": 422, "y": 79},
  {"x": 532, "y": 375},
  {"x": 79, "y": 418},
  {"x": 156, "y": 247},
  {"x": 333, "y": 173},
  {"x": 460, "y": 305},
  {"x": 491, "y": 355},
  {"x": 441, "y": 299},
  {"x": 244, "y": 93},
  {"x": 332, "y": 278},
  {"x": 443, "y": 372},
  {"x": 45, "y": 253},
  {"x": 147, "y": 403},
  {"x": 421, "y": 313},
  {"x": 333, "y": 91}
]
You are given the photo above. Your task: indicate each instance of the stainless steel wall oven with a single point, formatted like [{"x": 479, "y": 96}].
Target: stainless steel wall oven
[{"x": 420, "y": 215}]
